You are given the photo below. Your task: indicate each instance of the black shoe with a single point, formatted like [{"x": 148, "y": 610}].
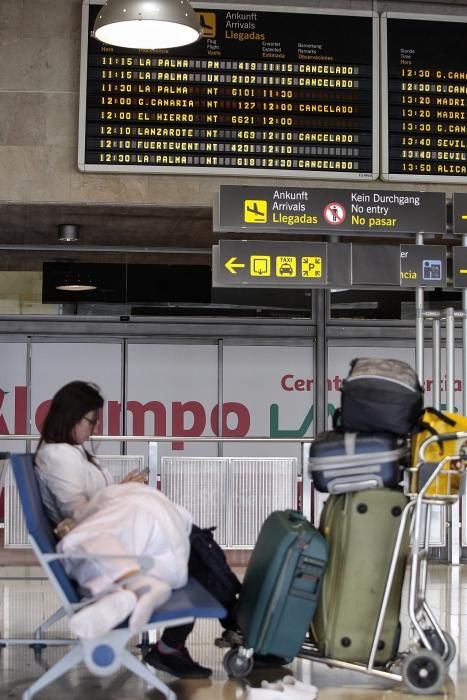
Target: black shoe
[
  {"x": 269, "y": 660},
  {"x": 179, "y": 663},
  {"x": 229, "y": 639}
]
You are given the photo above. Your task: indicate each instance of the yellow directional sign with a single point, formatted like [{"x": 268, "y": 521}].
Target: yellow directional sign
[
  {"x": 459, "y": 213},
  {"x": 312, "y": 266},
  {"x": 275, "y": 264},
  {"x": 255, "y": 211},
  {"x": 260, "y": 265},
  {"x": 232, "y": 266},
  {"x": 286, "y": 266},
  {"x": 207, "y": 22},
  {"x": 459, "y": 266}
]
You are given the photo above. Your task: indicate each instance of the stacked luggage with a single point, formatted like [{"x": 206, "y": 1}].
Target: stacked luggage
[
  {"x": 344, "y": 581},
  {"x": 287, "y": 586},
  {"x": 360, "y": 464}
]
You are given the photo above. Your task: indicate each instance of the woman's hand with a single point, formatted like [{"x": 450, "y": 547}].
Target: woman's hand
[{"x": 136, "y": 476}]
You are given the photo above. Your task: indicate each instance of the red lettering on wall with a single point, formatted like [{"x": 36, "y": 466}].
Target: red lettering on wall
[
  {"x": 290, "y": 383},
  {"x": 139, "y": 410},
  {"x": 21, "y": 394},
  {"x": 198, "y": 424},
  {"x": 3, "y": 426},
  {"x": 285, "y": 382},
  {"x": 189, "y": 418},
  {"x": 242, "y": 415},
  {"x": 41, "y": 412},
  {"x": 113, "y": 417}
]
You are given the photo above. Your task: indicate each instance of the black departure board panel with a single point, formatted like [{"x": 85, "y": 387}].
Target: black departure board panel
[
  {"x": 424, "y": 114},
  {"x": 263, "y": 92}
]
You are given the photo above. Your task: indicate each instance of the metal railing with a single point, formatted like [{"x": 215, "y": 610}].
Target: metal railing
[{"x": 244, "y": 490}]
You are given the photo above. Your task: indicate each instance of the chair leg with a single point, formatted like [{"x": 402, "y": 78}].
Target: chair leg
[
  {"x": 74, "y": 657},
  {"x": 58, "y": 615},
  {"x": 140, "y": 670}
]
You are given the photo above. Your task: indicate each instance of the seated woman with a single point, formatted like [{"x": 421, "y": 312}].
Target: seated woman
[{"x": 117, "y": 519}]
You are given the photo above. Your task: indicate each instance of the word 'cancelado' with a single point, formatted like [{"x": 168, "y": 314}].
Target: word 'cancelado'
[
  {"x": 261, "y": 67},
  {"x": 230, "y": 78},
  {"x": 230, "y": 134},
  {"x": 220, "y": 161},
  {"x": 244, "y": 105}
]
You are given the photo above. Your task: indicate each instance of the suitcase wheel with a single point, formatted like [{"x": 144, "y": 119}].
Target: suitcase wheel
[
  {"x": 423, "y": 672},
  {"x": 438, "y": 646},
  {"x": 237, "y": 665}
]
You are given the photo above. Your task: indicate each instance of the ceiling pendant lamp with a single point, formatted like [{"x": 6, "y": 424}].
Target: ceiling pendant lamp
[
  {"x": 76, "y": 283},
  {"x": 147, "y": 24}
]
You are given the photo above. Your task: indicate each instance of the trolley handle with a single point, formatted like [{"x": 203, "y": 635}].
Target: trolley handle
[{"x": 442, "y": 437}]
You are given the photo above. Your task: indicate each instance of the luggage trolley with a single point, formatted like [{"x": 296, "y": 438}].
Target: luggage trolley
[
  {"x": 423, "y": 666},
  {"x": 430, "y": 483}
]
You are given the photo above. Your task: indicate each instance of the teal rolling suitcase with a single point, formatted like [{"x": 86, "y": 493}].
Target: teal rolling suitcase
[{"x": 281, "y": 585}]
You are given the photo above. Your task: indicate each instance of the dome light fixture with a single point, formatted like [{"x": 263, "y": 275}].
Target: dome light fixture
[
  {"x": 76, "y": 282},
  {"x": 68, "y": 232},
  {"x": 147, "y": 24}
]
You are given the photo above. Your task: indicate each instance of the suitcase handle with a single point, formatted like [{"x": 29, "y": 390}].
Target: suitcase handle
[{"x": 295, "y": 516}]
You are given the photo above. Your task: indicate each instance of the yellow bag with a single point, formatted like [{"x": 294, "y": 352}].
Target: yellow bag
[{"x": 448, "y": 481}]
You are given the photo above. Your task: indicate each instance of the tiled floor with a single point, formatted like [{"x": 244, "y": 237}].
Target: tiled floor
[{"x": 24, "y": 602}]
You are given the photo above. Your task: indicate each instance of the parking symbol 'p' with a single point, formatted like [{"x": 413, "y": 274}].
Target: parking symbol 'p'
[{"x": 312, "y": 266}]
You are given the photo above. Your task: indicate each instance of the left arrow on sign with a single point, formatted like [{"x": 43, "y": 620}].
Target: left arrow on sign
[{"x": 231, "y": 265}]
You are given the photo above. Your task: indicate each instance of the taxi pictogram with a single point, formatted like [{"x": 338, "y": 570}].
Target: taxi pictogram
[{"x": 286, "y": 266}]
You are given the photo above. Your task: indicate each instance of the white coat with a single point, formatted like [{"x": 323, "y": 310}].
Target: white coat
[
  {"x": 67, "y": 479},
  {"x": 116, "y": 519},
  {"x": 127, "y": 519}
]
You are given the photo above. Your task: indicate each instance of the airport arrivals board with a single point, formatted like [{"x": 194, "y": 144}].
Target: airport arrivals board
[
  {"x": 424, "y": 88},
  {"x": 264, "y": 92}
]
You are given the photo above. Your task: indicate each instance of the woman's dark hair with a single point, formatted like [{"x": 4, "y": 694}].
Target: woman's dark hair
[{"x": 68, "y": 407}]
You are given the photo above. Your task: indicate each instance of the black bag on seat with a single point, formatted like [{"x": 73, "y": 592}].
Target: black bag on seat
[
  {"x": 380, "y": 395},
  {"x": 209, "y": 566}
]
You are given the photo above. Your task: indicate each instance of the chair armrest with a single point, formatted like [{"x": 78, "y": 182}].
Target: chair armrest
[{"x": 144, "y": 560}]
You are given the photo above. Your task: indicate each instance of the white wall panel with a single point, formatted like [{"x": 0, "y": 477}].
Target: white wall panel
[
  {"x": 13, "y": 404},
  {"x": 178, "y": 385},
  {"x": 276, "y": 384},
  {"x": 56, "y": 364}
]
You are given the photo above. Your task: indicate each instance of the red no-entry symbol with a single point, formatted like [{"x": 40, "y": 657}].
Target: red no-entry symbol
[{"x": 334, "y": 213}]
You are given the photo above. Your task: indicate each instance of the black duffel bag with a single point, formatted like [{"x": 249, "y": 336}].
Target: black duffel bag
[
  {"x": 209, "y": 566},
  {"x": 380, "y": 394}
]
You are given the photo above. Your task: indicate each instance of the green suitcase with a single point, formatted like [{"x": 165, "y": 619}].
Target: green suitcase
[{"x": 361, "y": 530}]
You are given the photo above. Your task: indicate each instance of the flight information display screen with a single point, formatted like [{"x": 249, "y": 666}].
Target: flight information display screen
[
  {"x": 424, "y": 113},
  {"x": 289, "y": 93}
]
